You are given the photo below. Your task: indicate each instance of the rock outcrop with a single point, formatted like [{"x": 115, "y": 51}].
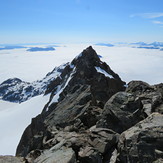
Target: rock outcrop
[
  {"x": 121, "y": 112},
  {"x": 142, "y": 142},
  {"x": 11, "y": 159},
  {"x": 151, "y": 96}
]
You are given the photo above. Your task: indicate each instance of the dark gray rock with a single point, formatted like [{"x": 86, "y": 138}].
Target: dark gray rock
[
  {"x": 150, "y": 96},
  {"x": 11, "y": 159},
  {"x": 63, "y": 155},
  {"x": 92, "y": 145},
  {"x": 144, "y": 142},
  {"x": 122, "y": 111},
  {"x": 138, "y": 87},
  {"x": 89, "y": 155}
]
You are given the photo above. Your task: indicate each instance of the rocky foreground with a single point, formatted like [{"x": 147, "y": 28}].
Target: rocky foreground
[{"x": 92, "y": 116}]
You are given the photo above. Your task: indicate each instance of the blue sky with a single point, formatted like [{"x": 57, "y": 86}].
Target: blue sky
[{"x": 41, "y": 21}]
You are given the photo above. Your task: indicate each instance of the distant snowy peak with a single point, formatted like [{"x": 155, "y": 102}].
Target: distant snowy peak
[
  {"x": 16, "y": 90},
  {"x": 160, "y": 44},
  {"x": 105, "y": 44},
  {"x": 35, "y": 49},
  {"x": 153, "y": 45},
  {"x": 139, "y": 43}
]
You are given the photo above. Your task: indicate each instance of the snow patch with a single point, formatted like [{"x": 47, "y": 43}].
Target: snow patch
[
  {"x": 71, "y": 66},
  {"x": 100, "y": 70},
  {"x": 114, "y": 156},
  {"x": 61, "y": 88},
  {"x": 126, "y": 85},
  {"x": 78, "y": 56}
]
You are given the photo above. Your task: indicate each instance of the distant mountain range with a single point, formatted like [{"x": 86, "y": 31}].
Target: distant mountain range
[
  {"x": 158, "y": 44},
  {"x": 153, "y": 45},
  {"x": 105, "y": 44},
  {"x": 12, "y": 47},
  {"x": 34, "y": 49},
  {"x": 142, "y": 45},
  {"x": 31, "y": 49}
]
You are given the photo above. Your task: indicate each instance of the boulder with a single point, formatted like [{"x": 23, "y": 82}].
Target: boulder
[
  {"x": 11, "y": 159},
  {"x": 89, "y": 155},
  {"x": 121, "y": 111},
  {"x": 143, "y": 142},
  {"x": 138, "y": 87},
  {"x": 63, "y": 155},
  {"x": 151, "y": 96}
]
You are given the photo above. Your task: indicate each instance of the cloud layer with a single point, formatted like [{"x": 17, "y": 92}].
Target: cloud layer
[{"x": 154, "y": 16}]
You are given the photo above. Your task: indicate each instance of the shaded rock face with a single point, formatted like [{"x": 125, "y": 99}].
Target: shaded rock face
[
  {"x": 91, "y": 118},
  {"x": 122, "y": 111}
]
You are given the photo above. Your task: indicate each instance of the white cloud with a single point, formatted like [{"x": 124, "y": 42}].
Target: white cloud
[
  {"x": 148, "y": 15},
  {"x": 157, "y": 22}
]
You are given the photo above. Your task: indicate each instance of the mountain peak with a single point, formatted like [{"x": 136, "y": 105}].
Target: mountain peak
[
  {"x": 89, "y": 48},
  {"x": 86, "y": 69},
  {"x": 89, "y": 51},
  {"x": 87, "y": 55},
  {"x": 76, "y": 95}
]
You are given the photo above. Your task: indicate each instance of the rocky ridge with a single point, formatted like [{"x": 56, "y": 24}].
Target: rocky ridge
[
  {"x": 16, "y": 90},
  {"x": 91, "y": 117}
]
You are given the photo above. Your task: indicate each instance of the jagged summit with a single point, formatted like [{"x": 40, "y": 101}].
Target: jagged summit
[
  {"x": 86, "y": 69},
  {"x": 89, "y": 59},
  {"x": 89, "y": 55}
]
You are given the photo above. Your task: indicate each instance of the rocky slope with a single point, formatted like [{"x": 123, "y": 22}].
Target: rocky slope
[{"x": 91, "y": 117}]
